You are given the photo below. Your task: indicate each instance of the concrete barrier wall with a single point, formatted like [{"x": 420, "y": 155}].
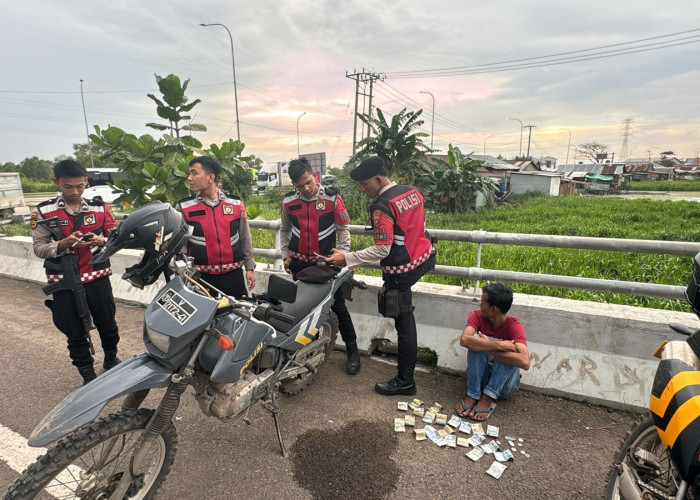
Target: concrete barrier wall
[{"x": 581, "y": 350}]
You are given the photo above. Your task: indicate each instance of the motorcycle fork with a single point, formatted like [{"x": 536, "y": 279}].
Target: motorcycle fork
[{"x": 159, "y": 421}]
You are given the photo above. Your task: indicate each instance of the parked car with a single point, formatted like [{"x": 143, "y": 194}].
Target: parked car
[{"x": 102, "y": 192}]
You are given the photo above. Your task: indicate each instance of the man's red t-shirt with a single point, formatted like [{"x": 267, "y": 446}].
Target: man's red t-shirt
[{"x": 511, "y": 329}]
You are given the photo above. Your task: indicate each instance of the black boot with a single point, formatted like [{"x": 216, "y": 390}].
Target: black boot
[
  {"x": 111, "y": 360},
  {"x": 88, "y": 373},
  {"x": 396, "y": 386},
  {"x": 352, "y": 366}
]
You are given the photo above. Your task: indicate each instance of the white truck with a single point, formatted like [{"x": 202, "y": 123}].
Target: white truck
[
  {"x": 271, "y": 174},
  {"x": 11, "y": 195}
]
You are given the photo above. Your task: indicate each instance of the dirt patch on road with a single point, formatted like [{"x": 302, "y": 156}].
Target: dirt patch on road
[{"x": 352, "y": 462}]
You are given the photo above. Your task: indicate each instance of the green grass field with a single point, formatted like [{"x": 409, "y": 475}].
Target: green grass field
[
  {"x": 682, "y": 185},
  {"x": 573, "y": 216}
]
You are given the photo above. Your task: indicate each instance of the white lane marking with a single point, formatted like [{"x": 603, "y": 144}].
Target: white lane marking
[
  {"x": 15, "y": 451},
  {"x": 18, "y": 455}
]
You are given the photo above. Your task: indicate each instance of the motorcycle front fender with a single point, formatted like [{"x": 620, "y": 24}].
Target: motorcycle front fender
[{"x": 83, "y": 405}]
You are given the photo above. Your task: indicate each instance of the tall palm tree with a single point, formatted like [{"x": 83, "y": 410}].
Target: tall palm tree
[{"x": 398, "y": 142}]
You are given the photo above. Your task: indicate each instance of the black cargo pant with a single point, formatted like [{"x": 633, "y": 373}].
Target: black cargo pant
[
  {"x": 231, "y": 283},
  {"x": 405, "y": 323},
  {"x": 347, "y": 329},
  {"x": 102, "y": 309}
]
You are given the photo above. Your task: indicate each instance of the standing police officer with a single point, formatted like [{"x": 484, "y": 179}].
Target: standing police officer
[
  {"x": 311, "y": 218},
  {"x": 220, "y": 242},
  {"x": 404, "y": 250},
  {"x": 70, "y": 227}
]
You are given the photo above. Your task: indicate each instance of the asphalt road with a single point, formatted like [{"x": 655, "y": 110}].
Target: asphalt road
[{"x": 339, "y": 432}]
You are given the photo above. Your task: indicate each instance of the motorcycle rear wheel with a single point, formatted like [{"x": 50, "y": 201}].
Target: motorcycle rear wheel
[
  {"x": 69, "y": 470},
  {"x": 328, "y": 329},
  {"x": 644, "y": 436}
]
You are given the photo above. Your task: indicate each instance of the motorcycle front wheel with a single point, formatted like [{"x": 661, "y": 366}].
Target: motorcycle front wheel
[
  {"x": 89, "y": 462},
  {"x": 665, "y": 480}
]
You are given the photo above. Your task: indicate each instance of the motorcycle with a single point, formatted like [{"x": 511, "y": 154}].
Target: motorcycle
[
  {"x": 660, "y": 459},
  {"x": 234, "y": 353}
]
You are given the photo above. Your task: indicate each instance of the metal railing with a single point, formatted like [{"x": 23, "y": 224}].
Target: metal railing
[{"x": 477, "y": 273}]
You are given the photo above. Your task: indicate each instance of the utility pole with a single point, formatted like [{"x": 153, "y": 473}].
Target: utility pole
[
  {"x": 432, "y": 126},
  {"x": 529, "y": 136},
  {"x": 362, "y": 79},
  {"x": 521, "y": 135},
  {"x": 87, "y": 132}
]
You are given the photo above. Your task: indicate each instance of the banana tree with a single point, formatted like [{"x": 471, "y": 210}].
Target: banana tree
[
  {"x": 398, "y": 142},
  {"x": 453, "y": 184}
]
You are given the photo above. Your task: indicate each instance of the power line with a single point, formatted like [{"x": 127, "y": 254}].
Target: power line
[{"x": 539, "y": 61}]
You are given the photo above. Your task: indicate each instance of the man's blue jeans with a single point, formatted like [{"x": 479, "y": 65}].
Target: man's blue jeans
[{"x": 498, "y": 381}]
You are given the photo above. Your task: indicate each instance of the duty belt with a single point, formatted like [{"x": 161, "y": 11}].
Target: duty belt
[
  {"x": 404, "y": 268},
  {"x": 84, "y": 277},
  {"x": 304, "y": 258},
  {"x": 223, "y": 269}
]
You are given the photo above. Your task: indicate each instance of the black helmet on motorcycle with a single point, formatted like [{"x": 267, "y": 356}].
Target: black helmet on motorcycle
[{"x": 157, "y": 228}]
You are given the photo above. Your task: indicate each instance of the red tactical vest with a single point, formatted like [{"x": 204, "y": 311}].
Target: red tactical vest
[
  {"x": 313, "y": 224},
  {"x": 214, "y": 242},
  {"x": 91, "y": 219},
  {"x": 411, "y": 246}
]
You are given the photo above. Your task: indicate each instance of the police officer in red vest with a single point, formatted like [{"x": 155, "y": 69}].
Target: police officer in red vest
[
  {"x": 312, "y": 217},
  {"x": 404, "y": 250},
  {"x": 220, "y": 242},
  {"x": 84, "y": 226}
]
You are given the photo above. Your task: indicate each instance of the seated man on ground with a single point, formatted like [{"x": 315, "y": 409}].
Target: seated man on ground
[{"x": 497, "y": 352}]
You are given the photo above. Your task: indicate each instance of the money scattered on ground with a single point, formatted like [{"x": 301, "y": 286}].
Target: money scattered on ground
[
  {"x": 434, "y": 435},
  {"x": 465, "y": 427},
  {"x": 446, "y": 436},
  {"x": 475, "y": 454},
  {"x": 496, "y": 470},
  {"x": 489, "y": 447},
  {"x": 476, "y": 439},
  {"x": 455, "y": 421},
  {"x": 503, "y": 456}
]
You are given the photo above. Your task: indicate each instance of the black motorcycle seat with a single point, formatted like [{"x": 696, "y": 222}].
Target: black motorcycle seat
[{"x": 309, "y": 295}]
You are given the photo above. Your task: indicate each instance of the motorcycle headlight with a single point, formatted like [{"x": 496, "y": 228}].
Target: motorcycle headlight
[{"x": 159, "y": 340}]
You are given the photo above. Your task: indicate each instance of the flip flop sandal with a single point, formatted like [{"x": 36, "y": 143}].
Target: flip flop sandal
[
  {"x": 487, "y": 411},
  {"x": 465, "y": 409}
]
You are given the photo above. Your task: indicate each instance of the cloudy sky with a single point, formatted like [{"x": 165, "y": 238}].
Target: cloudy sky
[{"x": 292, "y": 57}]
